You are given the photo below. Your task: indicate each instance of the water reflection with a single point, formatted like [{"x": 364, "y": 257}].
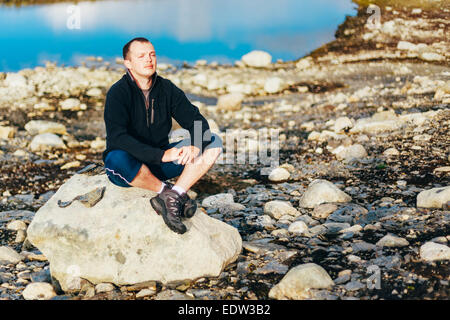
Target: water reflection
[{"x": 181, "y": 30}]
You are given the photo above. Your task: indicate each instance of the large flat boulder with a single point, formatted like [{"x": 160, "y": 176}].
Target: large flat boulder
[{"x": 120, "y": 239}]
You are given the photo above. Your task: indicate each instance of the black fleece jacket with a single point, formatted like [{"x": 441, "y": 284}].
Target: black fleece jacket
[{"x": 141, "y": 127}]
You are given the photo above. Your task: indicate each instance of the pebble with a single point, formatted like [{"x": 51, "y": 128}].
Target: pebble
[
  {"x": 257, "y": 58},
  {"x": 392, "y": 241},
  {"x": 391, "y": 152},
  {"x": 145, "y": 293},
  {"x": 433, "y": 198},
  {"x": 298, "y": 227},
  {"x": 104, "y": 287},
  {"x": 279, "y": 174},
  {"x": 321, "y": 191},
  {"x": 299, "y": 280},
  {"x": 10, "y": 255},
  {"x": 46, "y": 141},
  {"x": 355, "y": 151},
  {"x": 35, "y": 127},
  {"x": 277, "y": 208},
  {"x": 431, "y": 251},
  {"x": 16, "y": 225},
  {"x": 230, "y": 102},
  {"x": 322, "y": 211},
  {"x": 38, "y": 291}
]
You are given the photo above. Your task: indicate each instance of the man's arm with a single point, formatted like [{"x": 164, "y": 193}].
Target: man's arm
[
  {"x": 116, "y": 122},
  {"x": 186, "y": 114}
]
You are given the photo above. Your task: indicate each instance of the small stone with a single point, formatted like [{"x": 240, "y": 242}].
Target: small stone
[
  {"x": 257, "y": 58},
  {"x": 342, "y": 124},
  {"x": 321, "y": 191},
  {"x": 94, "y": 92},
  {"x": 35, "y": 127},
  {"x": 145, "y": 293},
  {"x": 354, "y": 286},
  {"x": 433, "y": 198},
  {"x": 431, "y": 251},
  {"x": 10, "y": 255},
  {"x": 322, "y": 211},
  {"x": 273, "y": 85},
  {"x": 299, "y": 280},
  {"x": 46, "y": 141},
  {"x": 391, "y": 152},
  {"x": 277, "y": 208},
  {"x": 230, "y": 102},
  {"x": 104, "y": 287},
  {"x": 16, "y": 225},
  {"x": 298, "y": 227},
  {"x": 279, "y": 174},
  {"x": 38, "y": 291},
  {"x": 392, "y": 241},
  {"x": 72, "y": 164},
  {"x": 355, "y": 151},
  {"x": 7, "y": 132}
]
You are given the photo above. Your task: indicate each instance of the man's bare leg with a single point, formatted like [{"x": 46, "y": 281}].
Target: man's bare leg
[
  {"x": 146, "y": 180},
  {"x": 194, "y": 171}
]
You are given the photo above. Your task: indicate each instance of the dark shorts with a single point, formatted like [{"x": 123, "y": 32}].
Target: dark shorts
[{"x": 121, "y": 167}]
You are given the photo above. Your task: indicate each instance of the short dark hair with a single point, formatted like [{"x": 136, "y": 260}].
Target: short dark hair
[{"x": 126, "y": 48}]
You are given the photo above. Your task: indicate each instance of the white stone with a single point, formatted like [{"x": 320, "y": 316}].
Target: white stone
[
  {"x": 273, "y": 85},
  {"x": 230, "y": 102},
  {"x": 298, "y": 227},
  {"x": 391, "y": 152},
  {"x": 145, "y": 293},
  {"x": 433, "y": 198},
  {"x": 104, "y": 287},
  {"x": 342, "y": 124},
  {"x": 297, "y": 283},
  {"x": 35, "y": 127},
  {"x": 16, "y": 225},
  {"x": 98, "y": 144},
  {"x": 257, "y": 58},
  {"x": 432, "y": 56},
  {"x": 94, "y": 92},
  {"x": 10, "y": 255},
  {"x": 279, "y": 174},
  {"x": 322, "y": 191},
  {"x": 322, "y": 211},
  {"x": 432, "y": 251},
  {"x": 278, "y": 208},
  {"x": 46, "y": 141},
  {"x": 347, "y": 153},
  {"x": 122, "y": 240},
  {"x": 392, "y": 241},
  {"x": 7, "y": 132},
  {"x": 70, "y": 104},
  {"x": 304, "y": 63},
  {"x": 218, "y": 200},
  {"x": 15, "y": 80},
  {"x": 405, "y": 45},
  {"x": 38, "y": 291}
]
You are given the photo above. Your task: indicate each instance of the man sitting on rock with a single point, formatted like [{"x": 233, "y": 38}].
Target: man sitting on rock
[{"x": 138, "y": 118}]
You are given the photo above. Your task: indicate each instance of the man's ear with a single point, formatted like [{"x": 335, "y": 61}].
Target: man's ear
[{"x": 127, "y": 63}]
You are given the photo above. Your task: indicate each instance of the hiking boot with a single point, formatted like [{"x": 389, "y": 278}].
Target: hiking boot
[
  {"x": 169, "y": 204},
  {"x": 189, "y": 205}
]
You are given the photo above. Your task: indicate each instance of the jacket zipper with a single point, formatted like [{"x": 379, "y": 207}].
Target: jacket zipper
[{"x": 153, "y": 100}]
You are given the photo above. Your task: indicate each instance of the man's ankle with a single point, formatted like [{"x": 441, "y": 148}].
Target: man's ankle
[
  {"x": 179, "y": 190},
  {"x": 162, "y": 187}
]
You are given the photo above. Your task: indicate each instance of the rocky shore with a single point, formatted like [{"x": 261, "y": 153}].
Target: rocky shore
[{"x": 357, "y": 209}]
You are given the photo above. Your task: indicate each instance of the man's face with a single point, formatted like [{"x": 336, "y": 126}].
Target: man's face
[{"x": 141, "y": 59}]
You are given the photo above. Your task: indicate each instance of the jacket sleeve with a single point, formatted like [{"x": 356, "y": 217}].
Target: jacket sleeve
[
  {"x": 117, "y": 120},
  {"x": 190, "y": 118}
]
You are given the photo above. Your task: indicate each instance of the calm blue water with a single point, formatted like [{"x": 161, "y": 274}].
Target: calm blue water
[{"x": 181, "y": 30}]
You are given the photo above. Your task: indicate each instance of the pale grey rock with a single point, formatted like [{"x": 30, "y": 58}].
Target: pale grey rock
[
  {"x": 391, "y": 152},
  {"x": 35, "y": 127},
  {"x": 16, "y": 225},
  {"x": 104, "y": 287},
  {"x": 222, "y": 201},
  {"x": 10, "y": 255},
  {"x": 297, "y": 283},
  {"x": 145, "y": 293},
  {"x": 433, "y": 198},
  {"x": 432, "y": 251},
  {"x": 321, "y": 191},
  {"x": 46, "y": 141},
  {"x": 257, "y": 58},
  {"x": 273, "y": 85},
  {"x": 279, "y": 174},
  {"x": 94, "y": 92},
  {"x": 172, "y": 295},
  {"x": 322, "y": 211},
  {"x": 121, "y": 240},
  {"x": 72, "y": 104},
  {"x": 15, "y": 80},
  {"x": 342, "y": 124},
  {"x": 347, "y": 153},
  {"x": 392, "y": 241},
  {"x": 230, "y": 102},
  {"x": 38, "y": 291},
  {"x": 298, "y": 227},
  {"x": 278, "y": 208},
  {"x": 7, "y": 132}
]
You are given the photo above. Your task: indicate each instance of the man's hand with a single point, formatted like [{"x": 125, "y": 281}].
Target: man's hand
[
  {"x": 171, "y": 154},
  {"x": 188, "y": 154},
  {"x": 183, "y": 155}
]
